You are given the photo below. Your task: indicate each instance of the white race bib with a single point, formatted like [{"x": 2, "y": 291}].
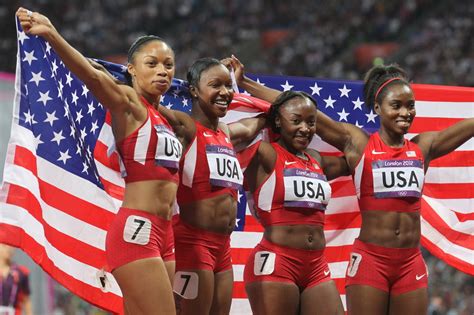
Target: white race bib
[
  {"x": 398, "y": 178},
  {"x": 306, "y": 189},
  {"x": 224, "y": 167},
  {"x": 168, "y": 149}
]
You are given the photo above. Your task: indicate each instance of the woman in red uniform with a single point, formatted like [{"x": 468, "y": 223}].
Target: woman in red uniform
[
  {"x": 14, "y": 285},
  {"x": 150, "y": 152},
  {"x": 287, "y": 273},
  {"x": 207, "y": 195},
  {"x": 386, "y": 274}
]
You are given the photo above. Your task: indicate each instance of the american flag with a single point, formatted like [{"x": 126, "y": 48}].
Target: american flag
[{"x": 62, "y": 186}]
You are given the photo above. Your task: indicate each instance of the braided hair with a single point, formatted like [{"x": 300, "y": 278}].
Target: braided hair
[
  {"x": 281, "y": 100},
  {"x": 378, "y": 78},
  {"x": 136, "y": 47}
]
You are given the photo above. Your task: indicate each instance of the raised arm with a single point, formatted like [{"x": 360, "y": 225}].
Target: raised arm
[
  {"x": 251, "y": 86},
  {"x": 183, "y": 125},
  {"x": 333, "y": 166},
  {"x": 102, "y": 86},
  {"x": 435, "y": 144},
  {"x": 245, "y": 130}
]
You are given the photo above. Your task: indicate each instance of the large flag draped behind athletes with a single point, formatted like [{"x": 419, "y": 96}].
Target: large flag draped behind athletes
[{"x": 61, "y": 186}]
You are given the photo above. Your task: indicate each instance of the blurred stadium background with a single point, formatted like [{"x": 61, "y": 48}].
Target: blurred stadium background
[{"x": 332, "y": 39}]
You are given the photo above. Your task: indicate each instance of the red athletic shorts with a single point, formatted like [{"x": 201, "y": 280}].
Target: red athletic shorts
[
  {"x": 134, "y": 235},
  {"x": 271, "y": 262},
  {"x": 168, "y": 249},
  {"x": 198, "y": 249},
  {"x": 393, "y": 270}
]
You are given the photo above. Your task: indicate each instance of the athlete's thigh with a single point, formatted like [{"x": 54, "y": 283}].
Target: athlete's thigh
[
  {"x": 195, "y": 289},
  {"x": 273, "y": 298},
  {"x": 321, "y": 299},
  {"x": 413, "y": 302},
  {"x": 170, "y": 266},
  {"x": 366, "y": 300},
  {"x": 145, "y": 287},
  {"x": 223, "y": 285}
]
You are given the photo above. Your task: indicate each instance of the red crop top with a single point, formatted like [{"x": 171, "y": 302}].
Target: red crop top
[
  {"x": 209, "y": 167},
  {"x": 389, "y": 179},
  {"x": 152, "y": 152},
  {"x": 296, "y": 192}
]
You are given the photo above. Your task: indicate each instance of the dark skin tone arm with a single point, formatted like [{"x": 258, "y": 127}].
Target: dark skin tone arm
[{"x": 436, "y": 144}]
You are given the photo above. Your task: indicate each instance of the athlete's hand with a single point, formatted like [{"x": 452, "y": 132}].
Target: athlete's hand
[
  {"x": 34, "y": 23},
  {"x": 234, "y": 63}
]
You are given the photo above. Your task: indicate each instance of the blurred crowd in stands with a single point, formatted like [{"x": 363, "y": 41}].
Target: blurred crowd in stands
[
  {"x": 328, "y": 39},
  {"x": 334, "y": 39}
]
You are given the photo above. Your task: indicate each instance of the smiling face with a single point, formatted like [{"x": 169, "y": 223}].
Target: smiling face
[
  {"x": 152, "y": 68},
  {"x": 214, "y": 91},
  {"x": 397, "y": 109},
  {"x": 296, "y": 121}
]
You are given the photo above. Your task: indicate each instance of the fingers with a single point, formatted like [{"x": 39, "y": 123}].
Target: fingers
[{"x": 227, "y": 62}]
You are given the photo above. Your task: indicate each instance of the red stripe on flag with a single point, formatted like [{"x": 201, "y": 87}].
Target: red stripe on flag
[
  {"x": 113, "y": 190},
  {"x": 59, "y": 199},
  {"x": 455, "y": 237},
  {"x": 449, "y": 191},
  {"x": 252, "y": 224},
  {"x": 37, "y": 252},
  {"x": 455, "y": 159},
  {"x": 423, "y": 124},
  {"x": 100, "y": 154},
  {"x": 343, "y": 188},
  {"x": 63, "y": 242},
  {"x": 464, "y": 266},
  {"x": 239, "y": 290},
  {"x": 463, "y": 217},
  {"x": 442, "y": 93},
  {"x": 340, "y": 221}
]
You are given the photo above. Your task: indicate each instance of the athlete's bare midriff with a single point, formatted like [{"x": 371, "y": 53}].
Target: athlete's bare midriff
[
  {"x": 391, "y": 229},
  {"x": 153, "y": 196},
  {"x": 217, "y": 214},
  {"x": 310, "y": 237}
]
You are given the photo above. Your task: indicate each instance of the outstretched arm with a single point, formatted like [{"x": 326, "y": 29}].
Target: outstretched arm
[
  {"x": 438, "y": 143},
  {"x": 107, "y": 92},
  {"x": 254, "y": 88}
]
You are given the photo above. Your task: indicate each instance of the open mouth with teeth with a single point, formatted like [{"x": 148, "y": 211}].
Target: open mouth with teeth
[{"x": 222, "y": 104}]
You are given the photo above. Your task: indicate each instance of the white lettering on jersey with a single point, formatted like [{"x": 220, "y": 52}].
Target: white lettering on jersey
[
  {"x": 224, "y": 167},
  {"x": 306, "y": 189},
  {"x": 397, "y": 178},
  {"x": 168, "y": 149}
]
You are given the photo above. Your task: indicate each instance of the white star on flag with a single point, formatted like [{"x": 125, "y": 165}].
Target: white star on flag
[
  {"x": 315, "y": 88},
  {"x": 29, "y": 57},
  {"x": 37, "y": 78},
  {"x": 51, "y": 118},
  {"x": 329, "y": 102},
  {"x": 343, "y": 115},
  {"x": 64, "y": 156},
  {"x": 44, "y": 98},
  {"x": 371, "y": 116},
  {"x": 286, "y": 86},
  {"x": 345, "y": 91},
  {"x": 358, "y": 104}
]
